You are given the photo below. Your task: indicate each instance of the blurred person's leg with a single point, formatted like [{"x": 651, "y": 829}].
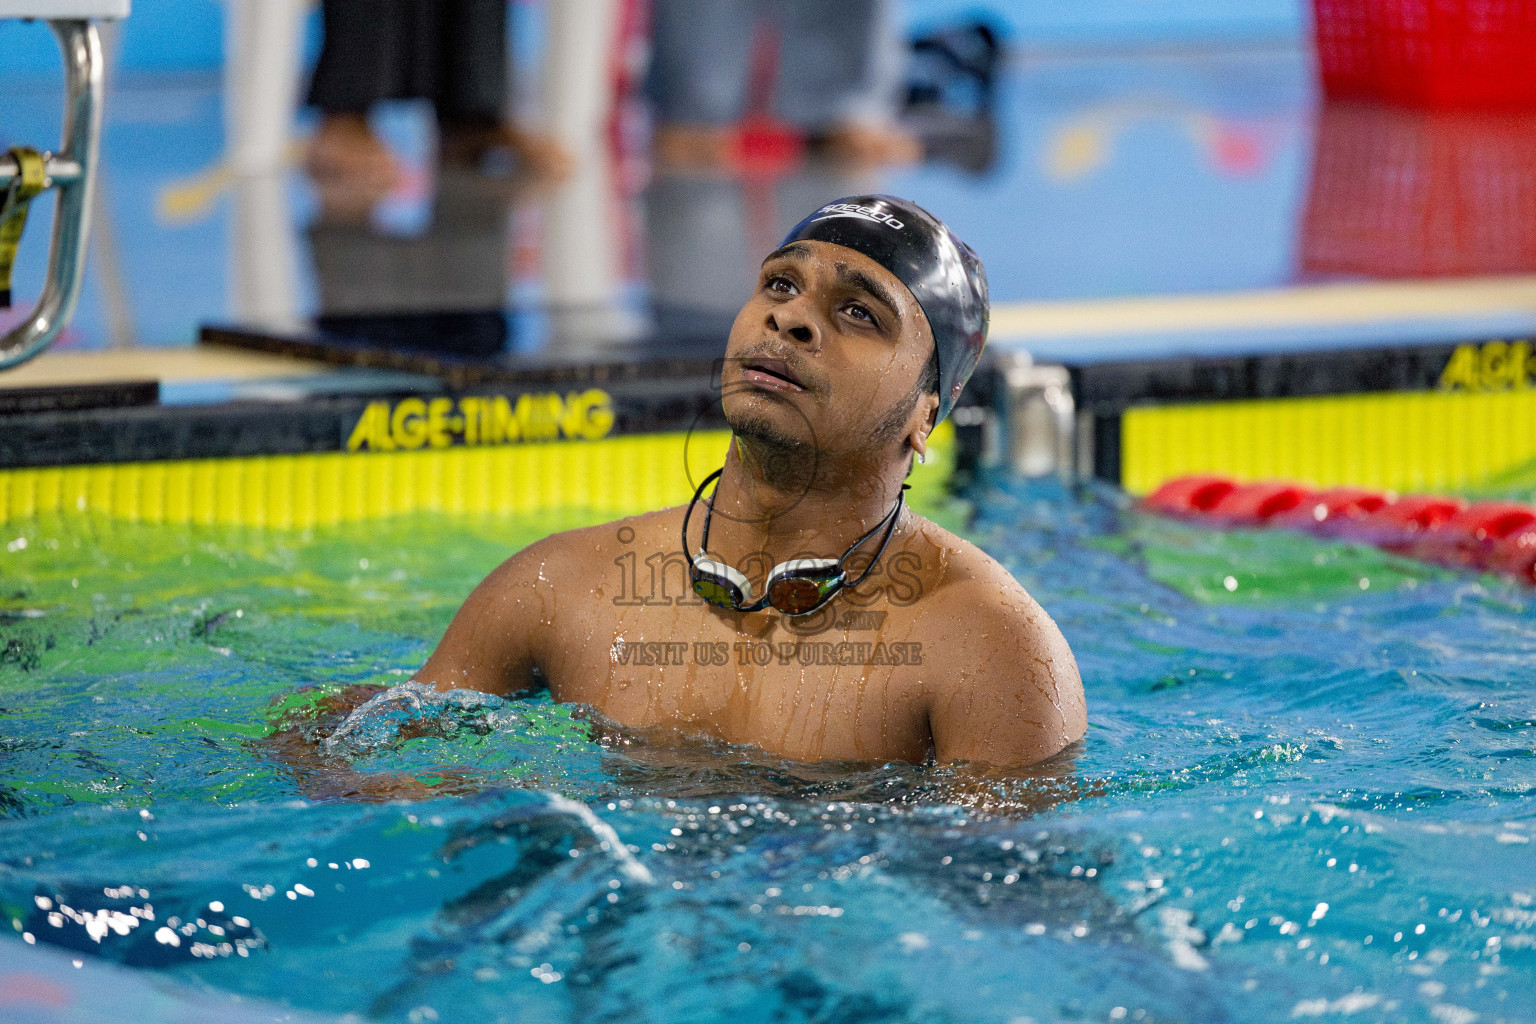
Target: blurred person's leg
[
  {"x": 361, "y": 62},
  {"x": 467, "y": 82},
  {"x": 841, "y": 65},
  {"x": 452, "y": 52},
  {"x": 700, "y": 52},
  {"x": 471, "y": 61}
]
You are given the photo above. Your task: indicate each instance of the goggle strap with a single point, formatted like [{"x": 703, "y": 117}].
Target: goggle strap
[
  {"x": 890, "y": 527},
  {"x": 797, "y": 568},
  {"x": 708, "y": 514}
]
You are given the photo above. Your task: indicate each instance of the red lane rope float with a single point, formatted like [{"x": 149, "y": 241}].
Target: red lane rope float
[
  {"x": 1332, "y": 512},
  {"x": 1492, "y": 536}
]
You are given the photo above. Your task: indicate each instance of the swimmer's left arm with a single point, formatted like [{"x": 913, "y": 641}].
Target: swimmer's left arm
[{"x": 1013, "y": 696}]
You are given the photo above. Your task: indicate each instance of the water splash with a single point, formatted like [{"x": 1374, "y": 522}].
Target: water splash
[
  {"x": 413, "y": 709},
  {"x": 607, "y": 839}
]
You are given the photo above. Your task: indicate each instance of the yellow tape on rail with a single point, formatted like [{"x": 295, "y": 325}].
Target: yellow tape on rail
[{"x": 31, "y": 178}]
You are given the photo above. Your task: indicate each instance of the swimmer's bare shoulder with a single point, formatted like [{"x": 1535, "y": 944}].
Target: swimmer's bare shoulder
[
  {"x": 1006, "y": 692},
  {"x": 519, "y": 615}
]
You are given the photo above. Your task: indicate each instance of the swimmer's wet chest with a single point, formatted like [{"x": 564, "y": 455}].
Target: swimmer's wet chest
[{"x": 857, "y": 675}]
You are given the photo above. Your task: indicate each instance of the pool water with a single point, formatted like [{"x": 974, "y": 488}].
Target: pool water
[{"x": 1306, "y": 792}]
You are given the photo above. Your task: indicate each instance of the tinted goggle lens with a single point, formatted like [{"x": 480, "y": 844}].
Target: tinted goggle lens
[
  {"x": 720, "y": 593},
  {"x": 801, "y": 595}
]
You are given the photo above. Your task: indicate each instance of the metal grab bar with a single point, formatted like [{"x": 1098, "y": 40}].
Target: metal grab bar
[
  {"x": 58, "y": 171},
  {"x": 73, "y": 174}
]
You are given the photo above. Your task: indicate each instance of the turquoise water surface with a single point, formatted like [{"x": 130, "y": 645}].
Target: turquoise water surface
[{"x": 1305, "y": 793}]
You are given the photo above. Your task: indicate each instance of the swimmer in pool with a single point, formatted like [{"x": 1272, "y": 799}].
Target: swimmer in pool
[{"x": 798, "y": 604}]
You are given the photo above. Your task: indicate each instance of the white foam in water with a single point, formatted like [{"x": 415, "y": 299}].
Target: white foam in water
[
  {"x": 607, "y": 838},
  {"x": 378, "y": 722}
]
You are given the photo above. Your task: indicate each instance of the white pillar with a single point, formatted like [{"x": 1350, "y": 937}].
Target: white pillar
[
  {"x": 580, "y": 40},
  {"x": 263, "y": 41},
  {"x": 263, "y": 253},
  {"x": 581, "y": 254}
]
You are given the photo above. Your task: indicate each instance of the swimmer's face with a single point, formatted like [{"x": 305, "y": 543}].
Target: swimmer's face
[{"x": 828, "y": 351}]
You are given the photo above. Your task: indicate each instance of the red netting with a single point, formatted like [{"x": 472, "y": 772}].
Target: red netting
[
  {"x": 1414, "y": 193},
  {"x": 1434, "y": 53}
]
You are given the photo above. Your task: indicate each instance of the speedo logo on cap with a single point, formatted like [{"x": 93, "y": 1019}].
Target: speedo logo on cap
[{"x": 864, "y": 212}]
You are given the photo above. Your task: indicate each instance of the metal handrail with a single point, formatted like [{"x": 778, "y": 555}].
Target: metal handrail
[
  {"x": 73, "y": 174},
  {"x": 57, "y": 171}
]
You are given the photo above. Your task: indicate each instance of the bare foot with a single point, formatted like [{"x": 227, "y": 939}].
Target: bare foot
[
  {"x": 466, "y": 145},
  {"x": 542, "y": 154},
  {"x": 346, "y": 201},
  {"x": 344, "y": 148},
  {"x": 689, "y": 145},
  {"x": 856, "y": 143}
]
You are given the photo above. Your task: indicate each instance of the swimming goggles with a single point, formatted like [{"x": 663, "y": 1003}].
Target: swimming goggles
[{"x": 797, "y": 587}]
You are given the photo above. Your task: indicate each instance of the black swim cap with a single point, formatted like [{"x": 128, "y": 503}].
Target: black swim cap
[{"x": 942, "y": 273}]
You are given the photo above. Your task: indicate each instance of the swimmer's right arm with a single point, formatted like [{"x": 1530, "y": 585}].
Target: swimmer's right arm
[{"x": 493, "y": 643}]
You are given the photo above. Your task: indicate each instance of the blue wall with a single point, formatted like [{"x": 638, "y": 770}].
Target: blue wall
[
  {"x": 187, "y": 35},
  {"x": 160, "y": 35}
]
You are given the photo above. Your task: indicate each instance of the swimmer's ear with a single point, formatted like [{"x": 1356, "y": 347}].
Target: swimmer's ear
[{"x": 924, "y": 418}]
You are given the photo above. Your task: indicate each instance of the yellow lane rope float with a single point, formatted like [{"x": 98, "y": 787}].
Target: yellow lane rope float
[
  {"x": 1475, "y": 431},
  {"x": 613, "y": 475}
]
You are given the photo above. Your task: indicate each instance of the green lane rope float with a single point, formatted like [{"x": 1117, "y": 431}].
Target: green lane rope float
[{"x": 31, "y": 178}]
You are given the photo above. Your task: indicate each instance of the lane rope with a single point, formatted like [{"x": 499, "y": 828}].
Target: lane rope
[{"x": 1488, "y": 536}]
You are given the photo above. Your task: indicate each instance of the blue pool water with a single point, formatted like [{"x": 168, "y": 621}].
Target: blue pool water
[{"x": 1305, "y": 794}]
